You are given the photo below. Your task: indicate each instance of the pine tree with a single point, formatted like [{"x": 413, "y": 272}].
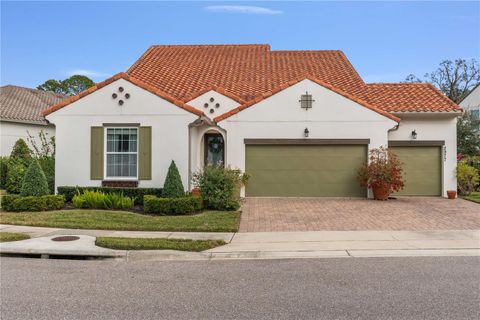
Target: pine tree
[
  {"x": 34, "y": 182},
  {"x": 173, "y": 187}
]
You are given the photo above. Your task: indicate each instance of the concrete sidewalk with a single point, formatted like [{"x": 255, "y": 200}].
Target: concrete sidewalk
[{"x": 265, "y": 245}]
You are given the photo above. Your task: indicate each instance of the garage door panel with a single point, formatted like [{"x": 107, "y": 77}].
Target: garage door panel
[
  {"x": 423, "y": 170},
  {"x": 308, "y": 171}
]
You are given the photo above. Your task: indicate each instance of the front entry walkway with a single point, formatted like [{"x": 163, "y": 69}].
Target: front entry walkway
[{"x": 316, "y": 214}]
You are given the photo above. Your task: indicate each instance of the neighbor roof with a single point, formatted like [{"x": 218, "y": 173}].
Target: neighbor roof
[
  {"x": 246, "y": 73},
  {"x": 20, "y": 104}
]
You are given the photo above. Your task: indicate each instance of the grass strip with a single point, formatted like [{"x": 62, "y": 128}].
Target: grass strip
[
  {"x": 12, "y": 236},
  {"x": 474, "y": 196},
  {"x": 157, "y": 244},
  {"x": 208, "y": 221}
]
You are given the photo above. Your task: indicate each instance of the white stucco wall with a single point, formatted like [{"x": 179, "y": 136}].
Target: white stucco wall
[
  {"x": 10, "y": 132},
  {"x": 225, "y": 103},
  {"x": 434, "y": 127},
  {"x": 169, "y": 124},
  {"x": 472, "y": 101},
  {"x": 280, "y": 116}
]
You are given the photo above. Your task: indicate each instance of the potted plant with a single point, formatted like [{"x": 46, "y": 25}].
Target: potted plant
[
  {"x": 383, "y": 173},
  {"x": 452, "y": 194}
]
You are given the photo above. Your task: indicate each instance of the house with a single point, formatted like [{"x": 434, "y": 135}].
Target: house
[
  {"x": 21, "y": 114},
  {"x": 471, "y": 103},
  {"x": 299, "y": 122}
]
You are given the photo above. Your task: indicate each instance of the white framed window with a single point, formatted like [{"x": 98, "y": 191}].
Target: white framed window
[{"x": 121, "y": 153}]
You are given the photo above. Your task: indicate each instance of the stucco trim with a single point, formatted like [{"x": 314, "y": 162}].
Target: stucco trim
[
  {"x": 121, "y": 124},
  {"x": 416, "y": 143},
  {"x": 307, "y": 141},
  {"x": 32, "y": 122},
  {"x": 293, "y": 82},
  {"x": 130, "y": 79}
]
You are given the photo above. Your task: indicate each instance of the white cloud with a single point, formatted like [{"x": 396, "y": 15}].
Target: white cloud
[
  {"x": 87, "y": 73},
  {"x": 243, "y": 9}
]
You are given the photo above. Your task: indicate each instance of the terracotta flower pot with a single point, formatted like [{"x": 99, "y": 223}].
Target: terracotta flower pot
[
  {"x": 452, "y": 194},
  {"x": 381, "y": 192},
  {"x": 196, "y": 192}
]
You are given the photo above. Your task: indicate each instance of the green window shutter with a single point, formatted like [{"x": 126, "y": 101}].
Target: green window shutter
[
  {"x": 145, "y": 154},
  {"x": 96, "y": 153}
]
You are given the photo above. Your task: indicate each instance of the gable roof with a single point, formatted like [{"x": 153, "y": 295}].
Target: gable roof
[
  {"x": 19, "y": 104},
  {"x": 247, "y": 73},
  {"x": 319, "y": 82},
  {"x": 131, "y": 79},
  {"x": 408, "y": 97}
]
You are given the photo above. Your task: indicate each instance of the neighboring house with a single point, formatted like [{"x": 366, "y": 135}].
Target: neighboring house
[
  {"x": 299, "y": 122},
  {"x": 471, "y": 103},
  {"x": 21, "y": 113}
]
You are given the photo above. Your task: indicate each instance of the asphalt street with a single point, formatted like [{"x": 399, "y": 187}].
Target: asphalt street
[{"x": 352, "y": 288}]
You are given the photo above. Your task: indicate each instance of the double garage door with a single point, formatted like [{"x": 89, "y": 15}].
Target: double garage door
[
  {"x": 304, "y": 170},
  {"x": 294, "y": 170}
]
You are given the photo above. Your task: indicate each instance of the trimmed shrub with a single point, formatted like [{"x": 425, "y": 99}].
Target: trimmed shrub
[
  {"x": 467, "y": 178},
  {"x": 3, "y": 172},
  {"x": 136, "y": 194},
  {"x": 48, "y": 166},
  {"x": 153, "y": 204},
  {"x": 220, "y": 186},
  {"x": 21, "y": 151},
  {"x": 98, "y": 200},
  {"x": 7, "y": 201},
  {"x": 32, "y": 203},
  {"x": 15, "y": 174},
  {"x": 173, "y": 187},
  {"x": 34, "y": 181},
  {"x": 184, "y": 205}
]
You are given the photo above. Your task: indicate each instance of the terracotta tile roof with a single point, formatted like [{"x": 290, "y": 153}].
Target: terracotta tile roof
[
  {"x": 131, "y": 79},
  {"x": 290, "y": 83},
  {"x": 24, "y": 104},
  {"x": 408, "y": 97},
  {"x": 247, "y": 73},
  {"x": 244, "y": 71}
]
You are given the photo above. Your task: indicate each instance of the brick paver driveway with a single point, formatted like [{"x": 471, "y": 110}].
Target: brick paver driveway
[{"x": 314, "y": 214}]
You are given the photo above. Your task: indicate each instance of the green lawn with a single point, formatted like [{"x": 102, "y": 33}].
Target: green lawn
[
  {"x": 474, "y": 196},
  {"x": 157, "y": 244},
  {"x": 208, "y": 221},
  {"x": 11, "y": 236}
]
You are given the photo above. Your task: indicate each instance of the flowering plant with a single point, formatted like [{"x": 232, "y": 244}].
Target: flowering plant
[{"x": 383, "y": 170}]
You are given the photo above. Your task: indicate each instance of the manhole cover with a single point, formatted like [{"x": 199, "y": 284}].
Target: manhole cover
[{"x": 66, "y": 238}]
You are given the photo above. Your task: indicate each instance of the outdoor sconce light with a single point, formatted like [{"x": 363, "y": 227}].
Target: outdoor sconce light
[
  {"x": 306, "y": 132},
  {"x": 414, "y": 134}
]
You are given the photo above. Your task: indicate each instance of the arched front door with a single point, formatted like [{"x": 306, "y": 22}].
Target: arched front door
[{"x": 214, "y": 149}]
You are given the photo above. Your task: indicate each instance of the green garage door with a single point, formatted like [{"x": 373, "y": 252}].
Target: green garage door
[
  {"x": 304, "y": 170},
  {"x": 423, "y": 170}
]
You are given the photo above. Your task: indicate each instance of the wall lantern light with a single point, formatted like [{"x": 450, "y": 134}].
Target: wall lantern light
[
  {"x": 306, "y": 132},
  {"x": 414, "y": 134}
]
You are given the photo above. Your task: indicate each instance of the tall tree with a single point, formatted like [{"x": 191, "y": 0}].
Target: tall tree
[
  {"x": 70, "y": 86},
  {"x": 454, "y": 78},
  {"x": 468, "y": 139}
]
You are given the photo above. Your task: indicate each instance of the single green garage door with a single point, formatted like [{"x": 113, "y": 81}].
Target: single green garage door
[
  {"x": 423, "y": 170},
  {"x": 304, "y": 170}
]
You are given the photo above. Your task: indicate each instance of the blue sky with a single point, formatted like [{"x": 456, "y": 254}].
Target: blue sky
[{"x": 385, "y": 41}]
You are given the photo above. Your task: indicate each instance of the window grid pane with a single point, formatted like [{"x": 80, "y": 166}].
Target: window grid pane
[{"x": 122, "y": 152}]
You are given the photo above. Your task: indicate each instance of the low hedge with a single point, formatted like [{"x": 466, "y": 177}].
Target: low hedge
[
  {"x": 17, "y": 203},
  {"x": 183, "y": 205},
  {"x": 136, "y": 193}
]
